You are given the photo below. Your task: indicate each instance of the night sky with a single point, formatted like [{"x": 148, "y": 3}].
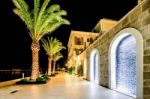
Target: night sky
[{"x": 15, "y": 41}]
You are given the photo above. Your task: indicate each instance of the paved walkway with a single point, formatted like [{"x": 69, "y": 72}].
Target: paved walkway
[{"x": 62, "y": 86}]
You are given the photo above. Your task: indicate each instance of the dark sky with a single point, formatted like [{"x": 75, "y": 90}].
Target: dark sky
[{"x": 15, "y": 41}]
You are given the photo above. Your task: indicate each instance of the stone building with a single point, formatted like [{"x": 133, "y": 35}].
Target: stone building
[
  {"x": 104, "y": 25},
  {"x": 119, "y": 58},
  {"x": 78, "y": 42}
]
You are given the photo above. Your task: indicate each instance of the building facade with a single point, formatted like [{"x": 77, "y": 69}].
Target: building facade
[
  {"x": 77, "y": 43},
  {"x": 119, "y": 58}
]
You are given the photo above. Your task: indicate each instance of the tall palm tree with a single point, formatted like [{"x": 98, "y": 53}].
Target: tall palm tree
[
  {"x": 42, "y": 20},
  {"x": 56, "y": 57},
  {"x": 51, "y": 46}
]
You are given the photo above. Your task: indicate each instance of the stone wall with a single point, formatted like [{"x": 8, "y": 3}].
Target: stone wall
[{"x": 138, "y": 18}]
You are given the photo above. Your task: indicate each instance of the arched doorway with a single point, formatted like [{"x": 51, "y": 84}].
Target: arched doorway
[
  {"x": 126, "y": 63},
  {"x": 94, "y": 66}
]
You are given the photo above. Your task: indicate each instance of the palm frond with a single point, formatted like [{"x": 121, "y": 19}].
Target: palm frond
[
  {"x": 53, "y": 8},
  {"x": 48, "y": 19},
  {"x": 48, "y": 44},
  {"x": 57, "y": 56},
  {"x": 22, "y": 10},
  {"x": 44, "y": 20},
  {"x": 40, "y": 15},
  {"x": 16, "y": 4},
  {"x": 36, "y": 9},
  {"x": 52, "y": 27},
  {"x": 61, "y": 13},
  {"x": 54, "y": 14},
  {"x": 52, "y": 45}
]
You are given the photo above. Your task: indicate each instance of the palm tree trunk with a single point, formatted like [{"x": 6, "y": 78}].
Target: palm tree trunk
[
  {"x": 54, "y": 66},
  {"x": 35, "y": 47},
  {"x": 49, "y": 64}
]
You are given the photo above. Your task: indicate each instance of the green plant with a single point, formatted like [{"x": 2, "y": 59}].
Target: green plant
[
  {"x": 71, "y": 70},
  {"x": 56, "y": 57},
  {"x": 40, "y": 79},
  {"x": 43, "y": 19},
  {"x": 45, "y": 76},
  {"x": 52, "y": 46},
  {"x": 80, "y": 70}
]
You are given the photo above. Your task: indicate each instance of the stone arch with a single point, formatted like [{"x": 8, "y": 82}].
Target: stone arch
[
  {"x": 94, "y": 66},
  {"x": 124, "y": 35}
]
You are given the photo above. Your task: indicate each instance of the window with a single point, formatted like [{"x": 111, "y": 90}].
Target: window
[
  {"x": 78, "y": 40},
  {"x": 91, "y": 40},
  {"x": 88, "y": 40}
]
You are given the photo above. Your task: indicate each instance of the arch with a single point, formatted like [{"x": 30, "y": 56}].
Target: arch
[
  {"x": 121, "y": 36},
  {"x": 94, "y": 66}
]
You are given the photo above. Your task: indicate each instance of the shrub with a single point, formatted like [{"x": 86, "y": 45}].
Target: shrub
[
  {"x": 80, "y": 70},
  {"x": 45, "y": 76},
  {"x": 71, "y": 70},
  {"x": 40, "y": 80}
]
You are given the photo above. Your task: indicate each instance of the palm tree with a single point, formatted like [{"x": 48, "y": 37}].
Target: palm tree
[
  {"x": 51, "y": 46},
  {"x": 56, "y": 57},
  {"x": 42, "y": 20}
]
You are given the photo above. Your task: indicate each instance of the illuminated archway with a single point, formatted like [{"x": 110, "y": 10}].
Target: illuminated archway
[
  {"x": 94, "y": 67},
  {"x": 126, "y": 63}
]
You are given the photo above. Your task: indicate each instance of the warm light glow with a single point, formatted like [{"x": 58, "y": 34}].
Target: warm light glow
[
  {"x": 77, "y": 62},
  {"x": 85, "y": 69},
  {"x": 75, "y": 58}
]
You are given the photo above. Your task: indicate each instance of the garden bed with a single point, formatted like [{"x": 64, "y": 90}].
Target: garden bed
[{"x": 40, "y": 80}]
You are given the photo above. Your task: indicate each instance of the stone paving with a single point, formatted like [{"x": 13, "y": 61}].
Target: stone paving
[{"x": 62, "y": 86}]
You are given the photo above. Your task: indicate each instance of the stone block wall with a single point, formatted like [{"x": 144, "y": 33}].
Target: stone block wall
[{"x": 138, "y": 18}]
